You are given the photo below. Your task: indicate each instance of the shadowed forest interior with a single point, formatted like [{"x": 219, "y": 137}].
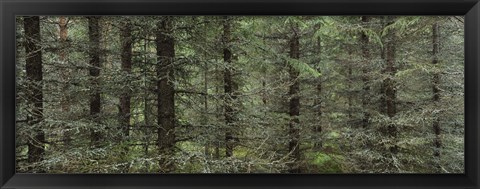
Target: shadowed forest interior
[{"x": 240, "y": 94}]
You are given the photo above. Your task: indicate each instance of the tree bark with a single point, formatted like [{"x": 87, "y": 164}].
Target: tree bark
[
  {"x": 36, "y": 144},
  {"x": 318, "y": 100},
  {"x": 94, "y": 72},
  {"x": 205, "y": 118},
  {"x": 436, "y": 91},
  {"x": 146, "y": 94},
  {"x": 126, "y": 59},
  {"x": 218, "y": 108},
  {"x": 166, "y": 93},
  {"x": 350, "y": 85},
  {"x": 365, "y": 78},
  {"x": 389, "y": 83},
  {"x": 229, "y": 87},
  {"x": 63, "y": 26},
  {"x": 205, "y": 107},
  {"x": 125, "y": 112},
  {"x": 294, "y": 110},
  {"x": 65, "y": 74}
]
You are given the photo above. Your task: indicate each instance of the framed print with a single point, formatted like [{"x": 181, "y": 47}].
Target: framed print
[{"x": 239, "y": 94}]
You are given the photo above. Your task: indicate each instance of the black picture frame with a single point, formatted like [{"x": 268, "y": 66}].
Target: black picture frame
[{"x": 10, "y": 8}]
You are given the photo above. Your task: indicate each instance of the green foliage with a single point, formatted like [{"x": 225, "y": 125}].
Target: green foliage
[
  {"x": 343, "y": 124},
  {"x": 326, "y": 163},
  {"x": 302, "y": 67}
]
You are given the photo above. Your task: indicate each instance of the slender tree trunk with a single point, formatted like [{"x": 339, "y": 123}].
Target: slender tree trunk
[
  {"x": 205, "y": 107},
  {"x": 350, "y": 85},
  {"x": 229, "y": 87},
  {"x": 318, "y": 100},
  {"x": 126, "y": 59},
  {"x": 436, "y": 91},
  {"x": 166, "y": 93},
  {"x": 94, "y": 72},
  {"x": 62, "y": 24},
  {"x": 383, "y": 52},
  {"x": 264, "y": 88},
  {"x": 65, "y": 73},
  {"x": 294, "y": 112},
  {"x": 36, "y": 148},
  {"x": 389, "y": 83},
  {"x": 146, "y": 103},
  {"x": 218, "y": 116},
  {"x": 264, "y": 91},
  {"x": 383, "y": 104},
  {"x": 365, "y": 78},
  {"x": 205, "y": 118}
]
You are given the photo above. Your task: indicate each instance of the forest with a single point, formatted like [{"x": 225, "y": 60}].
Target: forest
[{"x": 240, "y": 94}]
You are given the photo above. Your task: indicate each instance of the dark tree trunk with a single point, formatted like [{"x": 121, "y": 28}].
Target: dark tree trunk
[
  {"x": 383, "y": 52},
  {"x": 294, "y": 110},
  {"x": 166, "y": 93},
  {"x": 218, "y": 108},
  {"x": 63, "y": 26},
  {"x": 365, "y": 78},
  {"x": 229, "y": 87},
  {"x": 205, "y": 107},
  {"x": 146, "y": 129},
  {"x": 126, "y": 58},
  {"x": 264, "y": 91},
  {"x": 65, "y": 74},
  {"x": 318, "y": 100},
  {"x": 264, "y": 87},
  {"x": 205, "y": 118},
  {"x": 350, "y": 85},
  {"x": 146, "y": 94},
  {"x": 382, "y": 100},
  {"x": 389, "y": 83},
  {"x": 94, "y": 72},
  {"x": 436, "y": 90},
  {"x": 34, "y": 68}
]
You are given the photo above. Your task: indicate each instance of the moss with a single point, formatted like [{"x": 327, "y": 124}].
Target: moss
[
  {"x": 321, "y": 159},
  {"x": 326, "y": 163},
  {"x": 333, "y": 135},
  {"x": 241, "y": 152}
]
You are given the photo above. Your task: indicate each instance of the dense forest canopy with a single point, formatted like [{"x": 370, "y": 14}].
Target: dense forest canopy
[{"x": 240, "y": 94}]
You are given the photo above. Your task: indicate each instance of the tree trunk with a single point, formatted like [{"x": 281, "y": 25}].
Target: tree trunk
[
  {"x": 146, "y": 101},
  {"x": 294, "y": 110},
  {"x": 389, "y": 83},
  {"x": 94, "y": 72},
  {"x": 146, "y": 129},
  {"x": 205, "y": 118},
  {"x": 36, "y": 148},
  {"x": 366, "y": 62},
  {"x": 229, "y": 87},
  {"x": 218, "y": 108},
  {"x": 436, "y": 91},
  {"x": 65, "y": 74},
  {"x": 126, "y": 59},
  {"x": 318, "y": 100},
  {"x": 166, "y": 93},
  {"x": 62, "y": 24},
  {"x": 350, "y": 85}
]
